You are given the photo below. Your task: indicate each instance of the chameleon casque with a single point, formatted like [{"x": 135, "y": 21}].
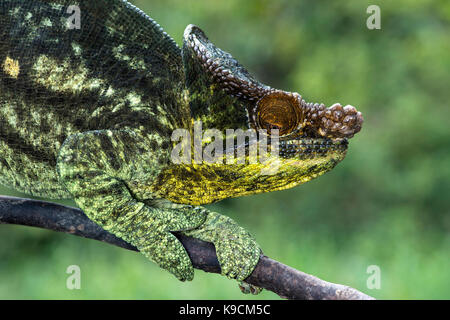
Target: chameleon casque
[{"x": 87, "y": 113}]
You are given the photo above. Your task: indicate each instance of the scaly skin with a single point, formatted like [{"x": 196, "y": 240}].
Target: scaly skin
[{"x": 88, "y": 114}]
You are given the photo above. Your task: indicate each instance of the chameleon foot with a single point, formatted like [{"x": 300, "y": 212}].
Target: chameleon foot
[
  {"x": 237, "y": 251},
  {"x": 247, "y": 288}
]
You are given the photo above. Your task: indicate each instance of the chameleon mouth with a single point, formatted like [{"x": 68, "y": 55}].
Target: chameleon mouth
[{"x": 310, "y": 148}]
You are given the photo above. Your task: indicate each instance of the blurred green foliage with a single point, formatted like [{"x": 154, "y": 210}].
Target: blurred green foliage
[{"x": 386, "y": 204}]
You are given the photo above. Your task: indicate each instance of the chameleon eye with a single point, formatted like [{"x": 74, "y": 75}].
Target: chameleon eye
[{"x": 280, "y": 111}]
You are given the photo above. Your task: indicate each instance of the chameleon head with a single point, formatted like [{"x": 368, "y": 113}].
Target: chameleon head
[
  {"x": 224, "y": 95},
  {"x": 312, "y": 138}
]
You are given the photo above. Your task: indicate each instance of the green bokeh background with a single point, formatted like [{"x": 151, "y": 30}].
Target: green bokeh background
[{"x": 386, "y": 204}]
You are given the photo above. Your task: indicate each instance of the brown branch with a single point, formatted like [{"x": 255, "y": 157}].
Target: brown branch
[{"x": 269, "y": 274}]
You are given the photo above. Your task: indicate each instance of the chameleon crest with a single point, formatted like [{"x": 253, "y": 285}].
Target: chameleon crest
[{"x": 87, "y": 113}]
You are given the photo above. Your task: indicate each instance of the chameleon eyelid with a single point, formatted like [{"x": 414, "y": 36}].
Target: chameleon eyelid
[{"x": 280, "y": 109}]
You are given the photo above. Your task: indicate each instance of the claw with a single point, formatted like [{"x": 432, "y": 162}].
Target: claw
[{"x": 247, "y": 288}]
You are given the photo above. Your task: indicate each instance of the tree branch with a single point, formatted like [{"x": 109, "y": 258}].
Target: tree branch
[{"x": 269, "y": 274}]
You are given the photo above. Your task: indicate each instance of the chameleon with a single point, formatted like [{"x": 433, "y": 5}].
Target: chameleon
[{"x": 90, "y": 95}]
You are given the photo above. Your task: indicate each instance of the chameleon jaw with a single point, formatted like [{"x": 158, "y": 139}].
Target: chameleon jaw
[{"x": 302, "y": 148}]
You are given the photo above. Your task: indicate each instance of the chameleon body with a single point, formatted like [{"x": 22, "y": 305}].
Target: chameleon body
[{"x": 87, "y": 113}]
